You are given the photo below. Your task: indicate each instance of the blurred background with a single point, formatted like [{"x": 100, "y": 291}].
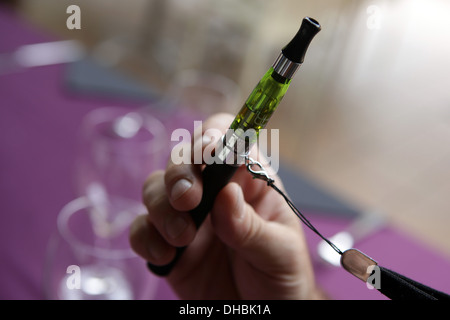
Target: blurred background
[{"x": 367, "y": 116}]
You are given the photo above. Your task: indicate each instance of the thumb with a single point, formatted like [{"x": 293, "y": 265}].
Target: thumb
[{"x": 238, "y": 226}]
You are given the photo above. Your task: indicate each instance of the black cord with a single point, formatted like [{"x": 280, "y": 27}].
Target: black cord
[
  {"x": 260, "y": 173},
  {"x": 395, "y": 286},
  {"x": 271, "y": 183}
]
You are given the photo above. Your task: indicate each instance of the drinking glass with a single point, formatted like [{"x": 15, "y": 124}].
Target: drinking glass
[
  {"x": 93, "y": 261},
  {"x": 119, "y": 148},
  {"x": 201, "y": 94},
  {"x": 90, "y": 256}
]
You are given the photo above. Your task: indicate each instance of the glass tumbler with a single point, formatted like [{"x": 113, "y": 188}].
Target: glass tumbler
[
  {"x": 119, "y": 148},
  {"x": 93, "y": 261}
]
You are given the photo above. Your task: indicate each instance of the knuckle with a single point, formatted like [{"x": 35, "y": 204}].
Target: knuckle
[
  {"x": 150, "y": 182},
  {"x": 252, "y": 232}
]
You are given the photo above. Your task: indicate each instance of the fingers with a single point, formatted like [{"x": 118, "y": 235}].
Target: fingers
[
  {"x": 213, "y": 127},
  {"x": 183, "y": 186},
  {"x": 242, "y": 229},
  {"x": 183, "y": 180},
  {"x": 168, "y": 196},
  {"x": 176, "y": 227},
  {"x": 165, "y": 226},
  {"x": 147, "y": 242}
]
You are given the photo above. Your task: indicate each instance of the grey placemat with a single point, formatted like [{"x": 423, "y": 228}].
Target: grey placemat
[
  {"x": 88, "y": 77},
  {"x": 308, "y": 195}
]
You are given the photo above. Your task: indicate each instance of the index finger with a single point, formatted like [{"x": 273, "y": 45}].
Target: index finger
[{"x": 183, "y": 178}]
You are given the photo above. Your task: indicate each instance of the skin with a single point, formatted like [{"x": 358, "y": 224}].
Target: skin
[{"x": 251, "y": 246}]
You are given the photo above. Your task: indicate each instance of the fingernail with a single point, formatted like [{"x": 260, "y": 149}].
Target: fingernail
[
  {"x": 175, "y": 226},
  {"x": 179, "y": 188}
]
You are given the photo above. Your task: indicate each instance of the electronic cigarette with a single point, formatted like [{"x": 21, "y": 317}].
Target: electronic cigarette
[{"x": 253, "y": 116}]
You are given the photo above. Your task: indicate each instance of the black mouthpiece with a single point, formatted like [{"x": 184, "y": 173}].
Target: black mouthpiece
[{"x": 296, "y": 49}]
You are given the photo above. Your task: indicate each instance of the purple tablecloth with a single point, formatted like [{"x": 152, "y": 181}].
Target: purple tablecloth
[{"x": 38, "y": 123}]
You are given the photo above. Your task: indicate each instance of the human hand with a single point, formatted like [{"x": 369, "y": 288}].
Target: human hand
[{"x": 251, "y": 246}]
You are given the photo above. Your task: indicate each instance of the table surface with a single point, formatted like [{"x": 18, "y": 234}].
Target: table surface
[{"x": 39, "y": 120}]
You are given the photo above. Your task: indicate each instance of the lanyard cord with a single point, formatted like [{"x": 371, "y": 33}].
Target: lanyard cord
[
  {"x": 393, "y": 285},
  {"x": 302, "y": 217},
  {"x": 262, "y": 174}
]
